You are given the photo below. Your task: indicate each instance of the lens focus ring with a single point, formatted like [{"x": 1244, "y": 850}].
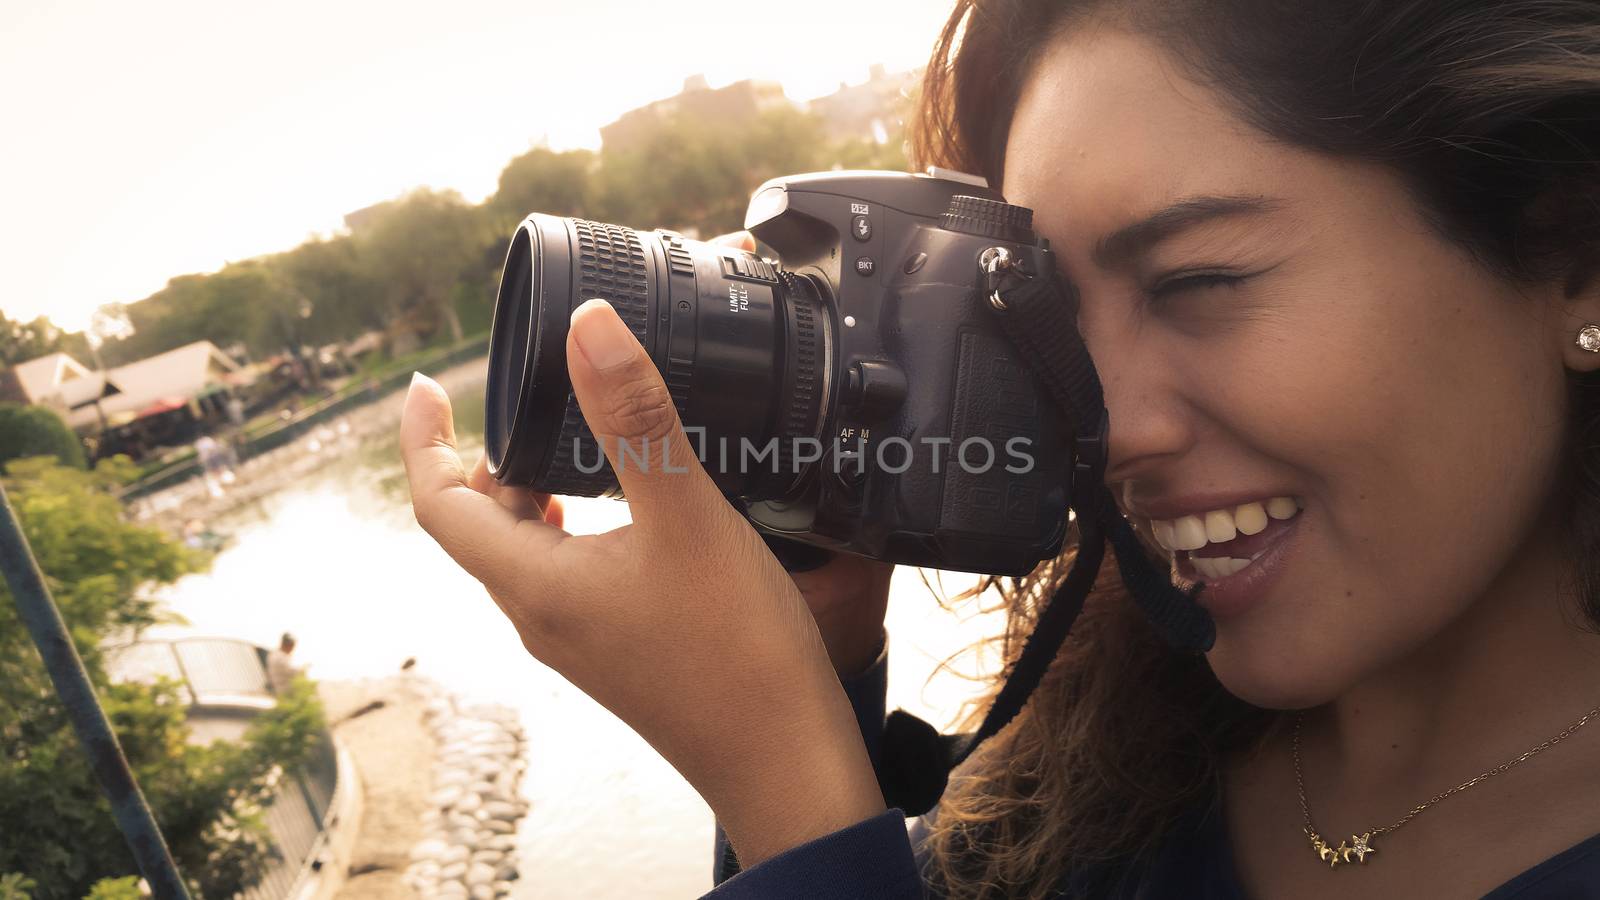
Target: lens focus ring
[
  {"x": 804, "y": 364},
  {"x": 611, "y": 265}
]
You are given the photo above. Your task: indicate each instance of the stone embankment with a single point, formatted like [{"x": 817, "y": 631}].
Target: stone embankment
[{"x": 470, "y": 824}]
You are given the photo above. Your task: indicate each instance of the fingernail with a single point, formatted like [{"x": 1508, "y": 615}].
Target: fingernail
[{"x": 601, "y": 336}]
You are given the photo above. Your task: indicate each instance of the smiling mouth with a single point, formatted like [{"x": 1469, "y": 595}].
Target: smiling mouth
[{"x": 1220, "y": 543}]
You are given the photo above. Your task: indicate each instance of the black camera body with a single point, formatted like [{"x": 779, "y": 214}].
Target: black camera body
[
  {"x": 855, "y": 393},
  {"x": 918, "y": 357}
]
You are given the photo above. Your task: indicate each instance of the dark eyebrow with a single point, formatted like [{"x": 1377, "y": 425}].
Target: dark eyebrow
[{"x": 1118, "y": 249}]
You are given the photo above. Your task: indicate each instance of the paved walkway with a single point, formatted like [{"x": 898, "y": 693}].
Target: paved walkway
[{"x": 393, "y": 751}]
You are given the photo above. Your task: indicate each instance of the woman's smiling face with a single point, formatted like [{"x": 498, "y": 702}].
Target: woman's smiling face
[{"x": 1282, "y": 324}]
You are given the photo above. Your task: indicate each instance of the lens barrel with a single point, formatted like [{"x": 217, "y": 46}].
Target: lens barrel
[{"x": 742, "y": 345}]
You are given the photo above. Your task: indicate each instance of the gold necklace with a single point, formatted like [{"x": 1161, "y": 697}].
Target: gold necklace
[{"x": 1360, "y": 846}]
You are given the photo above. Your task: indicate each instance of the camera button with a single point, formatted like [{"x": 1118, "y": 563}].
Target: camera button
[
  {"x": 861, "y": 228},
  {"x": 865, "y": 265}
]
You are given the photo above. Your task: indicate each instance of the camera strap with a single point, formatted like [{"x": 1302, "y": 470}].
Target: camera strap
[{"x": 1039, "y": 315}]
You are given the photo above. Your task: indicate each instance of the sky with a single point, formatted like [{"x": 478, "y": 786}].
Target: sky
[{"x": 153, "y": 139}]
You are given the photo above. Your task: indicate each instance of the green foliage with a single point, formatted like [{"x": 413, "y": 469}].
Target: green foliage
[
  {"x": 208, "y": 799},
  {"x": 543, "y": 180},
  {"x": 37, "y": 431},
  {"x": 16, "y": 886},
  {"x": 428, "y": 262},
  {"x": 115, "y": 889},
  {"x": 21, "y": 341},
  {"x": 420, "y": 248}
]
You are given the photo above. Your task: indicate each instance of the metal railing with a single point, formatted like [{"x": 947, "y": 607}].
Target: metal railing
[{"x": 227, "y": 678}]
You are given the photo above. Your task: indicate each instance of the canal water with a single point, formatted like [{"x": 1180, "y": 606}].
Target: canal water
[{"x": 339, "y": 561}]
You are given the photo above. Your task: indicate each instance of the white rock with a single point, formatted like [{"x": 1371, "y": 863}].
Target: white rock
[
  {"x": 499, "y": 826},
  {"x": 428, "y": 849},
  {"x": 445, "y": 797},
  {"x": 453, "y": 853},
  {"x": 500, "y": 809},
  {"x": 481, "y": 892},
  {"x": 453, "y": 871},
  {"x": 478, "y": 873}
]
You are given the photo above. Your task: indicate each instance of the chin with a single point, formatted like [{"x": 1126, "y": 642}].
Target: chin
[{"x": 1272, "y": 676}]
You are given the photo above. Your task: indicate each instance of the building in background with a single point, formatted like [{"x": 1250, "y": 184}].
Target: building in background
[
  {"x": 61, "y": 383},
  {"x": 163, "y": 400},
  {"x": 872, "y": 110},
  {"x": 729, "y": 107}
]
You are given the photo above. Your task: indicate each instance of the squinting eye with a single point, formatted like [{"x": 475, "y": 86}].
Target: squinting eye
[{"x": 1199, "y": 282}]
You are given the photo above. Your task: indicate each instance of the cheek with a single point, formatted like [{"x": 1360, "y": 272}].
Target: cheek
[{"x": 1426, "y": 457}]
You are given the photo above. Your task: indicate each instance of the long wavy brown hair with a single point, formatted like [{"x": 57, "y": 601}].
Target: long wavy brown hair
[{"x": 1490, "y": 111}]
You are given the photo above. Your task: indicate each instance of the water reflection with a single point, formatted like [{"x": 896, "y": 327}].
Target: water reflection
[{"x": 341, "y": 563}]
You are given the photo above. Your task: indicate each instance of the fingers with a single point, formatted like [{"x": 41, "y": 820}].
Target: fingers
[
  {"x": 476, "y": 531},
  {"x": 744, "y": 240},
  {"x": 524, "y": 503},
  {"x": 554, "y": 513},
  {"x": 631, "y": 414}
]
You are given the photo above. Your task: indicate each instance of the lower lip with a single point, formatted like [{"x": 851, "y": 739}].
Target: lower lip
[{"x": 1246, "y": 589}]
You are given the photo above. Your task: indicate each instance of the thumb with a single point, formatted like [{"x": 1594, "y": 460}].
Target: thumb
[{"x": 631, "y": 414}]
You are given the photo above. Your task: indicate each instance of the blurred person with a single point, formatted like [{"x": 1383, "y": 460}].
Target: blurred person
[
  {"x": 235, "y": 409},
  {"x": 215, "y": 464},
  {"x": 280, "y": 666},
  {"x": 1338, "y": 272}
]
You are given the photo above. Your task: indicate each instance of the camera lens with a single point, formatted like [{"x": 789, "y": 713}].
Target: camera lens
[{"x": 742, "y": 345}]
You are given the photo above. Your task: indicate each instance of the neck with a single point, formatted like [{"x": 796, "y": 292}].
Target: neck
[{"x": 1513, "y": 670}]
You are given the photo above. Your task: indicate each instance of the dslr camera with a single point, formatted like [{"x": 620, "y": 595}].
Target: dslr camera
[{"x": 851, "y": 389}]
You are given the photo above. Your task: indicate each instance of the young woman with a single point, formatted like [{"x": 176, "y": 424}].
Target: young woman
[{"x": 1340, "y": 273}]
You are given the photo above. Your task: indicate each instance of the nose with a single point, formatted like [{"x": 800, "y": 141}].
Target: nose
[{"x": 1151, "y": 425}]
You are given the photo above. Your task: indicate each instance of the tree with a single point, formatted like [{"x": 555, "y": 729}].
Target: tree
[
  {"x": 208, "y": 799},
  {"x": 21, "y": 341},
  {"x": 37, "y": 431},
  {"x": 346, "y": 300},
  {"x": 420, "y": 248},
  {"x": 543, "y": 180}
]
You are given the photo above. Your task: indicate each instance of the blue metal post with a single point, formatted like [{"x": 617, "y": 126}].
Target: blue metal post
[{"x": 39, "y": 613}]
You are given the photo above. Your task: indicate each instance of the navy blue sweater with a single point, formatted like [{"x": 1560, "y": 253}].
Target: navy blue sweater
[{"x": 875, "y": 858}]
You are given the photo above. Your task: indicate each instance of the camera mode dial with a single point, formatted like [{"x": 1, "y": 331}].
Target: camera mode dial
[{"x": 989, "y": 218}]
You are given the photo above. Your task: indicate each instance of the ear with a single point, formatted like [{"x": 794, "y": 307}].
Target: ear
[{"x": 1580, "y": 319}]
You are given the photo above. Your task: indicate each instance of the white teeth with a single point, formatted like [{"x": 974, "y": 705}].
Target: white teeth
[
  {"x": 1219, "y": 526},
  {"x": 1164, "y": 535},
  {"x": 1215, "y": 567},
  {"x": 1188, "y": 533},
  {"x": 1282, "y": 507},
  {"x": 1251, "y": 518}
]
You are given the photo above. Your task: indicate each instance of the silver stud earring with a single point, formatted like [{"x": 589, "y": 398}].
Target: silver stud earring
[{"x": 1589, "y": 338}]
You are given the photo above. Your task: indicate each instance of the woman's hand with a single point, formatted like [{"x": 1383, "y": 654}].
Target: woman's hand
[
  {"x": 682, "y": 623},
  {"x": 848, "y": 595}
]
